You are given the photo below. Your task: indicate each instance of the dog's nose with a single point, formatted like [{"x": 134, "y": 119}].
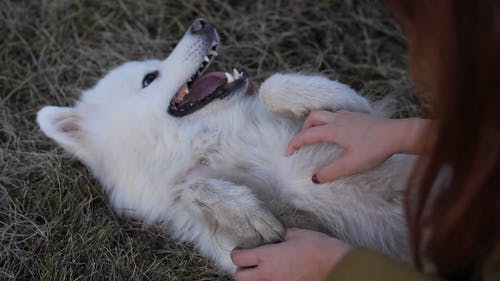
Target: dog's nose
[{"x": 198, "y": 25}]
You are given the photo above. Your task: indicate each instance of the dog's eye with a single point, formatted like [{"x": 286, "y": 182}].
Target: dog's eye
[{"x": 149, "y": 78}]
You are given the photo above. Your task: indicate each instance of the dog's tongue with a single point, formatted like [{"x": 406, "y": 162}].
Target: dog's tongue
[{"x": 206, "y": 84}]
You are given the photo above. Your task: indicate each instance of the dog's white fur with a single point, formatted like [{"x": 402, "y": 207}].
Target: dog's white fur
[{"x": 219, "y": 178}]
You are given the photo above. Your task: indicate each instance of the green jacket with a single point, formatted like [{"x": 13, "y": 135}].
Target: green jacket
[{"x": 361, "y": 264}]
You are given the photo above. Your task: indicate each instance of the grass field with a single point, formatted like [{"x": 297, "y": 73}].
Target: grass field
[{"x": 55, "y": 223}]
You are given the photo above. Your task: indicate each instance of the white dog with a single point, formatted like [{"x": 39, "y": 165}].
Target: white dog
[{"x": 206, "y": 159}]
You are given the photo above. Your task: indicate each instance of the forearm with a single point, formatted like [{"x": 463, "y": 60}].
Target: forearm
[{"x": 409, "y": 135}]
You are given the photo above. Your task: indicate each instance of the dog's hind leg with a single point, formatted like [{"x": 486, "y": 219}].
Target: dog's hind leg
[
  {"x": 296, "y": 95},
  {"x": 232, "y": 211}
]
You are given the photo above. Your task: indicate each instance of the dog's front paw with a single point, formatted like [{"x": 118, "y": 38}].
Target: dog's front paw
[
  {"x": 295, "y": 95},
  {"x": 233, "y": 210},
  {"x": 281, "y": 95},
  {"x": 259, "y": 227}
]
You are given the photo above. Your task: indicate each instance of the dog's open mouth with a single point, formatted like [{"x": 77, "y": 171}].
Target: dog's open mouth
[{"x": 201, "y": 89}]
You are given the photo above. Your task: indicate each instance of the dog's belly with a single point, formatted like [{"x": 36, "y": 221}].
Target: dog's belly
[
  {"x": 250, "y": 151},
  {"x": 255, "y": 157},
  {"x": 273, "y": 190}
]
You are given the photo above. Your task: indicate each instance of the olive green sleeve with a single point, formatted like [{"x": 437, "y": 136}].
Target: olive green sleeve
[{"x": 361, "y": 264}]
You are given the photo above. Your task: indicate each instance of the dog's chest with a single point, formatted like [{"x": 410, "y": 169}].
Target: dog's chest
[{"x": 226, "y": 148}]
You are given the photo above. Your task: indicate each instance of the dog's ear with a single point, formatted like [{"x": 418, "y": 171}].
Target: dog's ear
[{"x": 63, "y": 125}]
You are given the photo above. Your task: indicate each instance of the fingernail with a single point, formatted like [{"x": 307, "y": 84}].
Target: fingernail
[{"x": 315, "y": 179}]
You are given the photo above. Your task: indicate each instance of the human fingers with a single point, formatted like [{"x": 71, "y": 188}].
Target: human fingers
[
  {"x": 248, "y": 274},
  {"x": 309, "y": 136},
  {"x": 245, "y": 258},
  {"x": 316, "y": 118},
  {"x": 341, "y": 167},
  {"x": 292, "y": 233}
]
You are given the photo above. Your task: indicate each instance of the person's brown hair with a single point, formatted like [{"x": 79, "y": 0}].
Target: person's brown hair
[{"x": 454, "y": 48}]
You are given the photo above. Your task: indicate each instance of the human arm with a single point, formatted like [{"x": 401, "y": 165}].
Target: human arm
[
  {"x": 306, "y": 255},
  {"x": 367, "y": 140}
]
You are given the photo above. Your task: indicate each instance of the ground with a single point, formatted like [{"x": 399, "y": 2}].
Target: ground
[{"x": 55, "y": 223}]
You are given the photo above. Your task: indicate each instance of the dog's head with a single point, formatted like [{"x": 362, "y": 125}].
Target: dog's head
[{"x": 142, "y": 104}]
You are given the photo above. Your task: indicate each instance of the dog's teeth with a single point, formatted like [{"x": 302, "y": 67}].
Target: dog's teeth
[
  {"x": 236, "y": 73},
  {"x": 229, "y": 77},
  {"x": 206, "y": 59}
]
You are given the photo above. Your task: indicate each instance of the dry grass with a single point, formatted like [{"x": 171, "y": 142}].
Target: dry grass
[{"x": 55, "y": 223}]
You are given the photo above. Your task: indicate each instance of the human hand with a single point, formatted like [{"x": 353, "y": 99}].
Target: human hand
[
  {"x": 367, "y": 140},
  {"x": 304, "y": 255}
]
